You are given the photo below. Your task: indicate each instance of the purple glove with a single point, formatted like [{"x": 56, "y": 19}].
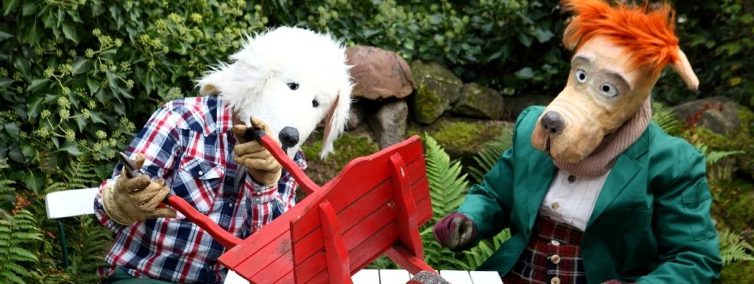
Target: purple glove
[{"x": 455, "y": 232}]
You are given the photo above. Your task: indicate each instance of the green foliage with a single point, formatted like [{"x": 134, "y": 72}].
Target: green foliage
[
  {"x": 734, "y": 248},
  {"x": 666, "y": 119},
  {"x": 490, "y": 153},
  {"x": 17, "y": 232},
  {"x": 511, "y": 45},
  {"x": 718, "y": 40},
  {"x": 448, "y": 187}
]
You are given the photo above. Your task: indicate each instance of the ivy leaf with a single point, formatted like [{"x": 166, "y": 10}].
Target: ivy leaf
[
  {"x": 524, "y": 39},
  {"x": 96, "y": 117},
  {"x": 5, "y": 82},
  {"x": 525, "y": 73},
  {"x": 542, "y": 35},
  {"x": 33, "y": 180},
  {"x": 33, "y": 109},
  {"x": 37, "y": 85},
  {"x": 9, "y": 6},
  {"x": 93, "y": 85},
  {"x": 70, "y": 32},
  {"x": 81, "y": 65},
  {"x": 12, "y": 129},
  {"x": 71, "y": 148}
]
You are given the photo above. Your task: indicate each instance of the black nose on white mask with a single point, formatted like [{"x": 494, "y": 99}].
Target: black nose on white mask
[{"x": 288, "y": 137}]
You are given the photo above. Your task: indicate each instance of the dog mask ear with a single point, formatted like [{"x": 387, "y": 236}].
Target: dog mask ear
[
  {"x": 211, "y": 84},
  {"x": 683, "y": 68},
  {"x": 335, "y": 121}
]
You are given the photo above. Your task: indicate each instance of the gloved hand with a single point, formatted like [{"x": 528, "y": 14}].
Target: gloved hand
[
  {"x": 133, "y": 199},
  {"x": 260, "y": 163},
  {"x": 456, "y": 232}
]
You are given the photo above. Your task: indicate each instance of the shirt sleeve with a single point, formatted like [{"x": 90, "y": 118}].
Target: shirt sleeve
[
  {"x": 158, "y": 141},
  {"x": 286, "y": 186},
  {"x": 689, "y": 250}
]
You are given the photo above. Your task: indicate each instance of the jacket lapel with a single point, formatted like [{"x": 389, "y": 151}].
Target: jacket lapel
[{"x": 622, "y": 174}]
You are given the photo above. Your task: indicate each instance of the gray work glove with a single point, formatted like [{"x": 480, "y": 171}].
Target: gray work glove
[
  {"x": 133, "y": 199},
  {"x": 259, "y": 162}
]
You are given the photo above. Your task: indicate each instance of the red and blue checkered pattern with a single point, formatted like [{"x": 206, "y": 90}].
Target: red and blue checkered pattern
[
  {"x": 551, "y": 257},
  {"x": 188, "y": 142}
]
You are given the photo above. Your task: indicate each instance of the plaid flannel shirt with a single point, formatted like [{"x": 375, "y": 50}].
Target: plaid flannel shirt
[{"x": 188, "y": 142}]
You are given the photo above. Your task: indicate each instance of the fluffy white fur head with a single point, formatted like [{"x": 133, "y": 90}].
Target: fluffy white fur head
[{"x": 288, "y": 77}]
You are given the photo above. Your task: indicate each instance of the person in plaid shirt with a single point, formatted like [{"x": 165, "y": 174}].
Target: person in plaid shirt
[{"x": 190, "y": 148}]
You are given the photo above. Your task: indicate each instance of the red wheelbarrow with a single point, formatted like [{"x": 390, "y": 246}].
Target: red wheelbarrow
[{"x": 375, "y": 206}]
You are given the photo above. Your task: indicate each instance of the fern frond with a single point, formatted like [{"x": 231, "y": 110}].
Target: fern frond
[
  {"x": 490, "y": 153},
  {"x": 666, "y": 119},
  {"x": 733, "y": 248}
]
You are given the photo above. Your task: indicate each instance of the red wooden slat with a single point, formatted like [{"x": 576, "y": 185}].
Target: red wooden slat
[
  {"x": 355, "y": 185},
  {"x": 406, "y": 259},
  {"x": 409, "y": 227},
  {"x": 273, "y": 270},
  {"x": 368, "y": 228},
  {"x": 336, "y": 255},
  {"x": 351, "y": 215}
]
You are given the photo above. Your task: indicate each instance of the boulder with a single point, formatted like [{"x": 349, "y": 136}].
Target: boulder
[
  {"x": 480, "y": 102},
  {"x": 355, "y": 116},
  {"x": 717, "y": 114},
  {"x": 514, "y": 105},
  {"x": 437, "y": 89},
  {"x": 465, "y": 137},
  {"x": 389, "y": 123},
  {"x": 379, "y": 73}
]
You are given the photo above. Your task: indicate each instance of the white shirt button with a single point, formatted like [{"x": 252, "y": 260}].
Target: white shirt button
[
  {"x": 201, "y": 173},
  {"x": 555, "y": 259},
  {"x": 555, "y": 243}
]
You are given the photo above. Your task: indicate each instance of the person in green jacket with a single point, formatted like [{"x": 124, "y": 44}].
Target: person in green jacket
[{"x": 591, "y": 190}]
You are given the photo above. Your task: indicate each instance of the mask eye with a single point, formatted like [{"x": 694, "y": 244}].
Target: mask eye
[
  {"x": 609, "y": 90},
  {"x": 315, "y": 103},
  {"x": 581, "y": 75},
  {"x": 293, "y": 86}
]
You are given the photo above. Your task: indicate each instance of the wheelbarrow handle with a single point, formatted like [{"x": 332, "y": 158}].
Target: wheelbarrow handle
[
  {"x": 225, "y": 238},
  {"x": 257, "y": 134}
]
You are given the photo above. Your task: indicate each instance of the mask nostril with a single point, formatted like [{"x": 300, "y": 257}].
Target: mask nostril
[
  {"x": 288, "y": 137},
  {"x": 553, "y": 122}
]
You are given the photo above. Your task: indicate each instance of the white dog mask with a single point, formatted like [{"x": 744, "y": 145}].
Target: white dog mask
[{"x": 290, "y": 78}]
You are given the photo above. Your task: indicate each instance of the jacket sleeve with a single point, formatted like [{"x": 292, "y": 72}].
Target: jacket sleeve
[
  {"x": 488, "y": 203},
  {"x": 689, "y": 251}
]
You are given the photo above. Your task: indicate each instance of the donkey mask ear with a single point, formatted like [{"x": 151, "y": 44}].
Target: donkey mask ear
[
  {"x": 570, "y": 38},
  {"x": 683, "y": 68},
  {"x": 336, "y": 120}
]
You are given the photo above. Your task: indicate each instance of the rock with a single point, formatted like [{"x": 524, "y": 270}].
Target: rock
[
  {"x": 717, "y": 114},
  {"x": 465, "y": 137},
  {"x": 389, "y": 123},
  {"x": 514, "y": 105},
  {"x": 355, "y": 116},
  {"x": 351, "y": 145},
  {"x": 379, "y": 73},
  {"x": 437, "y": 89},
  {"x": 480, "y": 102}
]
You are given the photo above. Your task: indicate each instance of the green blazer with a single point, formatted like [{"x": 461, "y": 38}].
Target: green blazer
[{"x": 650, "y": 224}]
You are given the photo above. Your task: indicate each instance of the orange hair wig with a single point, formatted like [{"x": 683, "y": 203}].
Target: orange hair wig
[{"x": 648, "y": 35}]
